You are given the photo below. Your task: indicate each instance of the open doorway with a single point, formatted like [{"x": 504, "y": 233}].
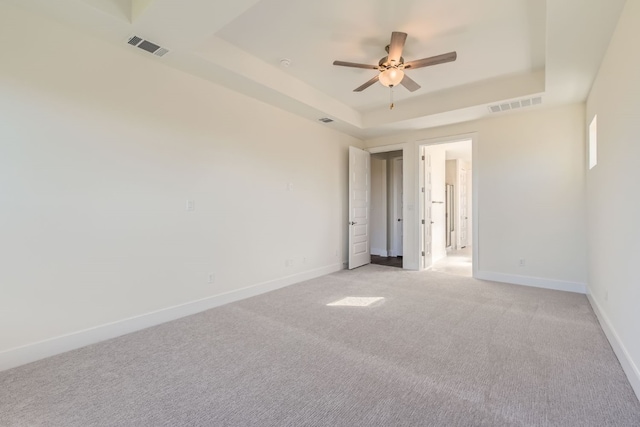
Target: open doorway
[
  {"x": 446, "y": 203},
  {"x": 386, "y": 208}
]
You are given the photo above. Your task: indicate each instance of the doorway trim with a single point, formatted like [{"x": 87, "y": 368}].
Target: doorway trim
[
  {"x": 474, "y": 190},
  {"x": 405, "y": 148},
  {"x": 396, "y": 232}
]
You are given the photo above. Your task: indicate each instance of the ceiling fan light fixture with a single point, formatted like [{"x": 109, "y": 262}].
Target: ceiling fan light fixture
[
  {"x": 391, "y": 76},
  {"x": 391, "y": 67}
]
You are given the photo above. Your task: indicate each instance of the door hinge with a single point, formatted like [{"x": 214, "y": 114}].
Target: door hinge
[
  {"x": 422, "y": 157},
  {"x": 423, "y": 221},
  {"x": 423, "y": 253},
  {"x": 422, "y": 189}
]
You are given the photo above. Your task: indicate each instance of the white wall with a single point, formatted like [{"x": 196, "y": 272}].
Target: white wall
[
  {"x": 530, "y": 177},
  {"x": 101, "y": 147},
  {"x": 451, "y": 172},
  {"x": 379, "y": 205},
  {"x": 612, "y": 191}
]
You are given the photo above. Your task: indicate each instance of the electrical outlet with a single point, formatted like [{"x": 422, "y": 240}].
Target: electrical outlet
[
  {"x": 288, "y": 262},
  {"x": 211, "y": 278},
  {"x": 290, "y": 186},
  {"x": 191, "y": 205},
  {"x": 522, "y": 262}
]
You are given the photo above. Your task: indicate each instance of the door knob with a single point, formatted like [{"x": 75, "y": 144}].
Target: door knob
[
  {"x": 399, "y": 219},
  {"x": 353, "y": 223}
]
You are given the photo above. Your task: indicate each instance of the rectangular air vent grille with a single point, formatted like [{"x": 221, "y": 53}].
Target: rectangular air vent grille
[
  {"x": 134, "y": 40},
  {"x": 147, "y": 46},
  {"x": 161, "y": 52},
  {"x": 326, "y": 120},
  {"x": 514, "y": 105}
]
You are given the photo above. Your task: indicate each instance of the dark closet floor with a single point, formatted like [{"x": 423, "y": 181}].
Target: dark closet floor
[{"x": 390, "y": 261}]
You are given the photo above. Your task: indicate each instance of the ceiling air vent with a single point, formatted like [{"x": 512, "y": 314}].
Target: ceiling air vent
[
  {"x": 514, "y": 105},
  {"x": 326, "y": 120},
  {"x": 147, "y": 45}
]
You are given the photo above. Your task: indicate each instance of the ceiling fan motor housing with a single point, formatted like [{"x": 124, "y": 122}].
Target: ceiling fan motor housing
[{"x": 384, "y": 63}]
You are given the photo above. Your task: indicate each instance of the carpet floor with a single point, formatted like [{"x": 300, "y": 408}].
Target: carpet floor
[
  {"x": 436, "y": 350},
  {"x": 456, "y": 262}
]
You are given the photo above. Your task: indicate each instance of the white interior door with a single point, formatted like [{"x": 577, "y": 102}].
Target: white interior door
[
  {"x": 426, "y": 199},
  {"x": 469, "y": 205},
  {"x": 464, "y": 215},
  {"x": 359, "y": 207},
  {"x": 437, "y": 174},
  {"x": 397, "y": 206}
]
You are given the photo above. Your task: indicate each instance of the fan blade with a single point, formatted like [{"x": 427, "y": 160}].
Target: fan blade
[
  {"x": 409, "y": 83},
  {"x": 396, "y": 46},
  {"x": 367, "y": 84},
  {"x": 434, "y": 60},
  {"x": 355, "y": 65}
]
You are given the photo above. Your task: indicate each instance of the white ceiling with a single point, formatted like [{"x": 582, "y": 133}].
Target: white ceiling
[
  {"x": 492, "y": 37},
  {"x": 507, "y": 49}
]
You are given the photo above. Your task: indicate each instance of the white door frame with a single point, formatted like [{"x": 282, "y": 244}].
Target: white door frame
[
  {"x": 470, "y": 238},
  {"x": 474, "y": 190},
  {"x": 404, "y": 147},
  {"x": 424, "y": 212},
  {"x": 396, "y": 228},
  {"x": 464, "y": 208}
]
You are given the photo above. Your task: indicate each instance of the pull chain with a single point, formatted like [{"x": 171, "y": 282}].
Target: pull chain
[{"x": 391, "y": 98}]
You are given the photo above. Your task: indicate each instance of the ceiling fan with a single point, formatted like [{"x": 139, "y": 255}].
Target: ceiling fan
[{"x": 392, "y": 67}]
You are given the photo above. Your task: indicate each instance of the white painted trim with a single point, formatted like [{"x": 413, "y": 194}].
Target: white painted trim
[
  {"x": 386, "y": 148},
  {"x": 50, "y": 347},
  {"x": 379, "y": 252},
  {"x": 401, "y": 146},
  {"x": 397, "y": 180},
  {"x": 475, "y": 205},
  {"x": 475, "y": 181},
  {"x": 629, "y": 368},
  {"x": 536, "y": 282},
  {"x": 447, "y": 139}
]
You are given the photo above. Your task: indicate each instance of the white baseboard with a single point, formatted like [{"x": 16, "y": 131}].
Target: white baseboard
[
  {"x": 379, "y": 252},
  {"x": 628, "y": 366},
  {"x": 536, "y": 282},
  {"x": 39, "y": 350}
]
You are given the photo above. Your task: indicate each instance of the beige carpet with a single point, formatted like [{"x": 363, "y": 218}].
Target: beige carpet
[
  {"x": 438, "y": 350},
  {"x": 456, "y": 262}
]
